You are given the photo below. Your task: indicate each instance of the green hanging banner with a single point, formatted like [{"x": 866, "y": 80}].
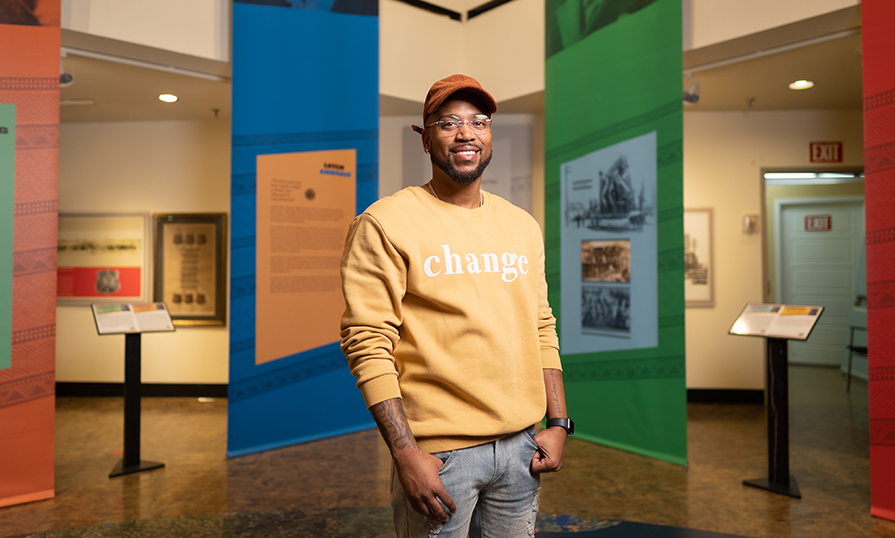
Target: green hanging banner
[{"x": 614, "y": 219}]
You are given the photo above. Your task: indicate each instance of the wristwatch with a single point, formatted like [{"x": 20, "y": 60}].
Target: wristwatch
[{"x": 564, "y": 423}]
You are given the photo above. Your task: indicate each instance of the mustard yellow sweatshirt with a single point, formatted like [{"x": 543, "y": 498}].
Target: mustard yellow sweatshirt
[{"x": 446, "y": 308}]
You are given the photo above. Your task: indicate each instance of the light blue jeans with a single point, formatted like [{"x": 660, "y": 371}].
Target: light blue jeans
[{"x": 494, "y": 489}]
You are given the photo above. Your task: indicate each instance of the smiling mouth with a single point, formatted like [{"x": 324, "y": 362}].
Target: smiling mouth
[{"x": 466, "y": 152}]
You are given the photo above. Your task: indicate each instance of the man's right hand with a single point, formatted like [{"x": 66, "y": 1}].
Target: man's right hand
[
  {"x": 418, "y": 472},
  {"x": 417, "y": 469}
]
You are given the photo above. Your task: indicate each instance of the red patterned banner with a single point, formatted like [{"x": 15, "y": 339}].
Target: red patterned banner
[
  {"x": 879, "y": 160},
  {"x": 885, "y": 98},
  {"x": 29, "y": 78}
]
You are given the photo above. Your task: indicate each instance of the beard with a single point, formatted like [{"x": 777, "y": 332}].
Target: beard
[{"x": 463, "y": 178}]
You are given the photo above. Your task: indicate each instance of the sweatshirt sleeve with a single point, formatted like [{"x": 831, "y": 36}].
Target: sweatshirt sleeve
[
  {"x": 546, "y": 321},
  {"x": 374, "y": 280}
]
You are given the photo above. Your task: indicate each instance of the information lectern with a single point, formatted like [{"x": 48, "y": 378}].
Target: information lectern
[
  {"x": 131, "y": 320},
  {"x": 778, "y": 323}
]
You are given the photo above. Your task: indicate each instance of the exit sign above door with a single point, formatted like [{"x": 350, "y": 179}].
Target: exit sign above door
[
  {"x": 818, "y": 223},
  {"x": 826, "y": 152}
]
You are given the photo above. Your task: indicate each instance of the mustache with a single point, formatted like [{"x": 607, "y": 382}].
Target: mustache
[{"x": 467, "y": 145}]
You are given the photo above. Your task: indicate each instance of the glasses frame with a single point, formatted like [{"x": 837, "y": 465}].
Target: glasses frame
[{"x": 460, "y": 123}]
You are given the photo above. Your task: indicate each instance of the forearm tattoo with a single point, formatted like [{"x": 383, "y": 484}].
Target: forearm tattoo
[
  {"x": 556, "y": 399},
  {"x": 392, "y": 422}
]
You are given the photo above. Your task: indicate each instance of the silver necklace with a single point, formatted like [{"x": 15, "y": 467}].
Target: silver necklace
[{"x": 432, "y": 190}]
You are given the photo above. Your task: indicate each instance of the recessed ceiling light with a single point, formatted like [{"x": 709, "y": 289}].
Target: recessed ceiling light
[
  {"x": 167, "y": 97},
  {"x": 801, "y": 85}
]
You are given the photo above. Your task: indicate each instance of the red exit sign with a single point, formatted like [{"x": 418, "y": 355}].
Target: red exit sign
[
  {"x": 826, "y": 152},
  {"x": 818, "y": 223}
]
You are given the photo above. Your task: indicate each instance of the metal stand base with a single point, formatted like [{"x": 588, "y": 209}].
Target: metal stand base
[
  {"x": 133, "y": 392},
  {"x": 779, "y": 480},
  {"x": 144, "y": 465},
  {"x": 790, "y": 490}
]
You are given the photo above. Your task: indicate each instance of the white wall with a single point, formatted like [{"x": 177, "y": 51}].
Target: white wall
[
  {"x": 391, "y": 151},
  {"x": 195, "y": 27},
  {"x": 416, "y": 48},
  {"x": 707, "y": 22},
  {"x": 502, "y": 48},
  {"x": 142, "y": 167},
  {"x": 505, "y": 49},
  {"x": 724, "y": 154}
]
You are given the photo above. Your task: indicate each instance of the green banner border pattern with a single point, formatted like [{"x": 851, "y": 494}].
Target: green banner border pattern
[{"x": 617, "y": 83}]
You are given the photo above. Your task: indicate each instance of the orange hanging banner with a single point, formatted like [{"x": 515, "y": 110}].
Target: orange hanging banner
[{"x": 29, "y": 79}]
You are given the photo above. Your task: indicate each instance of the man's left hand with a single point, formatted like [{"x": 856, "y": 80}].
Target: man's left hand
[{"x": 551, "y": 452}]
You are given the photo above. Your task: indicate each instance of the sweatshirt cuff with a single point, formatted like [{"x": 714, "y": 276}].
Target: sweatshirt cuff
[
  {"x": 380, "y": 389},
  {"x": 550, "y": 358}
]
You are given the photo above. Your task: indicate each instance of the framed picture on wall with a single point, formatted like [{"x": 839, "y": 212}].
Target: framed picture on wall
[
  {"x": 699, "y": 269},
  {"x": 189, "y": 267},
  {"x": 102, "y": 257}
]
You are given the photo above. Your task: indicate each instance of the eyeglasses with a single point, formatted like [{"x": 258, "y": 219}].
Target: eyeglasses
[{"x": 449, "y": 124}]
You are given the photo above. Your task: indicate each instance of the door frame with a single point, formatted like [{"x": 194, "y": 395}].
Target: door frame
[{"x": 778, "y": 229}]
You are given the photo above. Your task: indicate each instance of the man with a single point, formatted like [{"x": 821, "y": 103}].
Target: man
[{"x": 448, "y": 331}]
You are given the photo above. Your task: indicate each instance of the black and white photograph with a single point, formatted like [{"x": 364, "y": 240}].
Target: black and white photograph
[
  {"x": 698, "y": 288},
  {"x": 621, "y": 202},
  {"x": 606, "y": 310},
  {"x": 606, "y": 261}
]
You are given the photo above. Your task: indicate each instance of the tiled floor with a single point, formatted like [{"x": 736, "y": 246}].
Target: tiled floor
[{"x": 829, "y": 457}]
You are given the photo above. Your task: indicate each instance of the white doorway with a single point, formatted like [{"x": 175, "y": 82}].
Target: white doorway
[{"x": 818, "y": 255}]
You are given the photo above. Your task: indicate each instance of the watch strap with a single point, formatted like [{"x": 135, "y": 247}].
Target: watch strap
[{"x": 564, "y": 423}]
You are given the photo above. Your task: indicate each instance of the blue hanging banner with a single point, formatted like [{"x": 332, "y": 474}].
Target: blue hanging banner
[{"x": 304, "y": 162}]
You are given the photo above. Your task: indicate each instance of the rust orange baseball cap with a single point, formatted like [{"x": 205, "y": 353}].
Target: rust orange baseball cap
[{"x": 444, "y": 88}]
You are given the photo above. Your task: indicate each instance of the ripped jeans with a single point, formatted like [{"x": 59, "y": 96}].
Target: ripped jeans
[{"x": 494, "y": 489}]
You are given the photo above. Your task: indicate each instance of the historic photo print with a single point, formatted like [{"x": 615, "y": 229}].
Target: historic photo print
[
  {"x": 102, "y": 256},
  {"x": 606, "y": 310},
  {"x": 698, "y": 270},
  {"x": 609, "y": 248},
  {"x": 190, "y": 259},
  {"x": 618, "y": 202},
  {"x": 606, "y": 261}
]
